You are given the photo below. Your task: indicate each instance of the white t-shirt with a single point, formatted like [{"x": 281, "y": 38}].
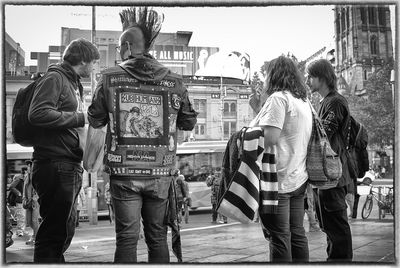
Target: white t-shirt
[{"x": 294, "y": 117}]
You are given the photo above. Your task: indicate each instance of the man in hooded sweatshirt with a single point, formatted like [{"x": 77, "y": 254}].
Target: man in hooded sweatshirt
[
  {"x": 140, "y": 162},
  {"x": 57, "y": 108}
]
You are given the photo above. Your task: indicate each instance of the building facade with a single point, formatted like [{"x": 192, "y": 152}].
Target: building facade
[
  {"x": 363, "y": 40},
  {"x": 217, "y": 82}
]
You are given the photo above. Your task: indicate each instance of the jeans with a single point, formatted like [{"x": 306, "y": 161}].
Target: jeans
[
  {"x": 57, "y": 184},
  {"x": 132, "y": 198},
  {"x": 332, "y": 216},
  {"x": 288, "y": 241}
]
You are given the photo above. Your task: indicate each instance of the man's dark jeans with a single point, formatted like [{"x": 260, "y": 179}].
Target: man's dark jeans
[
  {"x": 132, "y": 199},
  {"x": 57, "y": 184},
  {"x": 332, "y": 216}
]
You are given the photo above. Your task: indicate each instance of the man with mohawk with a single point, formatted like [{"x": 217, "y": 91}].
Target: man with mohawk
[{"x": 144, "y": 104}]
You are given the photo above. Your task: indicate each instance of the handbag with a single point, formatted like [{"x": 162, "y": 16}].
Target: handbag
[
  {"x": 94, "y": 150},
  {"x": 323, "y": 164}
]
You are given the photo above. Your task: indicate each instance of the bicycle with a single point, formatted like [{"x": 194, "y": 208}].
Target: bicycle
[{"x": 385, "y": 202}]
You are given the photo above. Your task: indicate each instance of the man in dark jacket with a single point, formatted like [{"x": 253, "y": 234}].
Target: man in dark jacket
[
  {"x": 57, "y": 108},
  {"x": 335, "y": 115},
  {"x": 144, "y": 105}
]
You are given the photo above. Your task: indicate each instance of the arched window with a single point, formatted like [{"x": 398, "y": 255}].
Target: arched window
[
  {"x": 371, "y": 15},
  {"x": 226, "y": 107},
  {"x": 233, "y": 107},
  {"x": 344, "y": 48},
  {"x": 374, "y": 45}
]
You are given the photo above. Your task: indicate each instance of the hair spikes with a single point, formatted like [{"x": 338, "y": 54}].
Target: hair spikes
[{"x": 148, "y": 20}]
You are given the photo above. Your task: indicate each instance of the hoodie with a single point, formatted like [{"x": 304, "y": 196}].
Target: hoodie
[{"x": 57, "y": 108}]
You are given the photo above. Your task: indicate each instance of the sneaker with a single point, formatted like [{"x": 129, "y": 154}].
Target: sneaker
[
  {"x": 214, "y": 222},
  {"x": 221, "y": 221}
]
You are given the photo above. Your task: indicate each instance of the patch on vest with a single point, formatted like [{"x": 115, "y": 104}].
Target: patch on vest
[
  {"x": 139, "y": 155},
  {"x": 168, "y": 159},
  {"x": 140, "y": 171},
  {"x": 114, "y": 158},
  {"x": 122, "y": 80},
  {"x": 176, "y": 101}
]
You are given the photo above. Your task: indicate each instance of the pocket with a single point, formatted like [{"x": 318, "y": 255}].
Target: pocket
[
  {"x": 162, "y": 187},
  {"x": 334, "y": 199}
]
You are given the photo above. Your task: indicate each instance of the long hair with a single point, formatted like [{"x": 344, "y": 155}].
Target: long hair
[
  {"x": 323, "y": 69},
  {"x": 283, "y": 75},
  {"x": 148, "y": 20}
]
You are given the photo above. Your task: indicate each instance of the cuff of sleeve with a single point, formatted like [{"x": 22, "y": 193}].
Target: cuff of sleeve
[{"x": 81, "y": 120}]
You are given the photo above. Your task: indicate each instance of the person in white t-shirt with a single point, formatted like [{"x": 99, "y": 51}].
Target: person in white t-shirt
[{"x": 287, "y": 122}]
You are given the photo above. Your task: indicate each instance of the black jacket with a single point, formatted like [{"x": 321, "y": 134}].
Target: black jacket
[
  {"x": 335, "y": 115},
  {"x": 57, "y": 108}
]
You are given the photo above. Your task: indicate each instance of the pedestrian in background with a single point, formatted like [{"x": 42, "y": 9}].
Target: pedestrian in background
[
  {"x": 140, "y": 151},
  {"x": 214, "y": 181},
  {"x": 81, "y": 202},
  {"x": 16, "y": 189},
  {"x": 310, "y": 210},
  {"x": 287, "y": 122},
  {"x": 182, "y": 194},
  {"x": 57, "y": 108},
  {"x": 30, "y": 204},
  {"x": 334, "y": 113},
  {"x": 107, "y": 196}
]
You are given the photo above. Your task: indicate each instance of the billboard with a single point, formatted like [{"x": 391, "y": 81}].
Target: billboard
[{"x": 203, "y": 61}]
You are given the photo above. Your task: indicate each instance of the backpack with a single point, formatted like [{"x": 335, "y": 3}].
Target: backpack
[
  {"x": 24, "y": 133},
  {"x": 356, "y": 149}
]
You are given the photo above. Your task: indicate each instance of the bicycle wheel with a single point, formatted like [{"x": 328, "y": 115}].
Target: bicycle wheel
[{"x": 367, "y": 208}]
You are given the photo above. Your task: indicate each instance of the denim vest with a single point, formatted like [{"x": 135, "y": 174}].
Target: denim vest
[{"x": 141, "y": 135}]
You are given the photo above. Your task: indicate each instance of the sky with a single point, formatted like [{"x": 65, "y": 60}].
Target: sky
[{"x": 263, "y": 32}]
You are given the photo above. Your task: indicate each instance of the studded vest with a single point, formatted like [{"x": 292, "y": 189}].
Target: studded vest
[{"x": 141, "y": 136}]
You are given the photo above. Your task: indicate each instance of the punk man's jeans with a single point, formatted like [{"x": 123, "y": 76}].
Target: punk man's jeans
[
  {"x": 57, "y": 184},
  {"x": 134, "y": 198},
  {"x": 288, "y": 241}
]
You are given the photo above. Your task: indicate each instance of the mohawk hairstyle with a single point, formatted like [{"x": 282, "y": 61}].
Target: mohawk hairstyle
[{"x": 148, "y": 20}]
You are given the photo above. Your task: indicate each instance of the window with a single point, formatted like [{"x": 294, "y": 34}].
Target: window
[
  {"x": 338, "y": 27},
  {"x": 229, "y": 129},
  {"x": 344, "y": 54},
  {"x": 233, "y": 107},
  {"x": 363, "y": 15},
  {"x": 371, "y": 15},
  {"x": 382, "y": 16},
  {"x": 365, "y": 75},
  {"x": 347, "y": 19},
  {"x": 374, "y": 45},
  {"x": 230, "y": 109},
  {"x": 199, "y": 106},
  {"x": 200, "y": 129},
  {"x": 342, "y": 18}
]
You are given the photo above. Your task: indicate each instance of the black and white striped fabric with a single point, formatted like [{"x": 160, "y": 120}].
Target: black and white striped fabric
[{"x": 254, "y": 186}]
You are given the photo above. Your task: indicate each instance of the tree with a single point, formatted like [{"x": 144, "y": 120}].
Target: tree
[
  {"x": 375, "y": 110},
  {"x": 255, "y": 82}
]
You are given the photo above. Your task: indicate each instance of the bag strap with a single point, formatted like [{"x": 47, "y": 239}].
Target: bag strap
[{"x": 317, "y": 121}]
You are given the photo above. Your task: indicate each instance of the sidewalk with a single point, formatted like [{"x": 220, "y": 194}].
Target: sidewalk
[{"x": 373, "y": 242}]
